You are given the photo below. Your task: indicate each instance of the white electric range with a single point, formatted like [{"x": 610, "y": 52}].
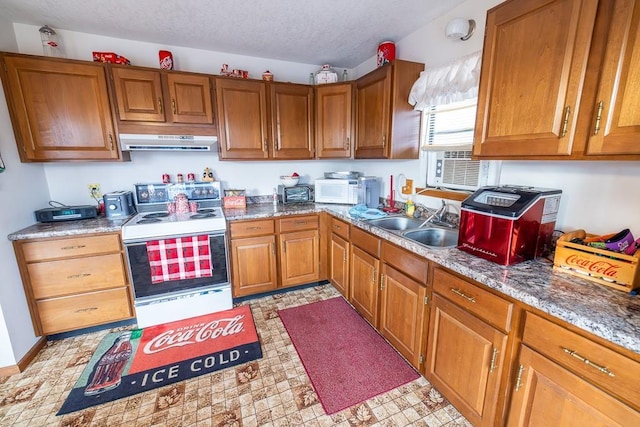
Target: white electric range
[{"x": 179, "y": 295}]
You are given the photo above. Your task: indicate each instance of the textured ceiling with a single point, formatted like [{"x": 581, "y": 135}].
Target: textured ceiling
[{"x": 340, "y": 32}]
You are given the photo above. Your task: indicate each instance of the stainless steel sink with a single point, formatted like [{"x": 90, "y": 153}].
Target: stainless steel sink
[
  {"x": 433, "y": 237},
  {"x": 398, "y": 223}
]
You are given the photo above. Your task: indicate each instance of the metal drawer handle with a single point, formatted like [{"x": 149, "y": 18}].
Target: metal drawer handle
[
  {"x": 79, "y": 276},
  {"x": 86, "y": 309},
  {"x": 336, "y": 226},
  {"x": 254, "y": 228},
  {"x": 64, "y": 248},
  {"x": 493, "y": 360},
  {"x": 588, "y": 362},
  {"x": 301, "y": 222},
  {"x": 462, "y": 294}
]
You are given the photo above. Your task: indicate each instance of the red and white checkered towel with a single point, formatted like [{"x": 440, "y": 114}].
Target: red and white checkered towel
[{"x": 181, "y": 258}]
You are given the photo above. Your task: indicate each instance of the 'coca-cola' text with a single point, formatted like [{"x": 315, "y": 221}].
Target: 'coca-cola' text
[
  {"x": 603, "y": 268},
  {"x": 210, "y": 331}
]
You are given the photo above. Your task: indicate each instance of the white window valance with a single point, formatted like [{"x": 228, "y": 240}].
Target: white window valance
[{"x": 453, "y": 82}]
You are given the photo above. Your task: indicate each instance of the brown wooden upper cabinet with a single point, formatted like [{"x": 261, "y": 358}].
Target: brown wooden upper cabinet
[
  {"x": 59, "y": 109},
  {"x": 387, "y": 127},
  {"x": 556, "y": 81},
  {"x": 334, "y": 120},
  {"x": 162, "y": 97},
  {"x": 254, "y": 126}
]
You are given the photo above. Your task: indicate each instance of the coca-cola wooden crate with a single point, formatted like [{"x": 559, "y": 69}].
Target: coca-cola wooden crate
[{"x": 609, "y": 268}]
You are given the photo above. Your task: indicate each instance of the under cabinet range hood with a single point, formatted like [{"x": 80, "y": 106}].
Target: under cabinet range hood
[{"x": 140, "y": 142}]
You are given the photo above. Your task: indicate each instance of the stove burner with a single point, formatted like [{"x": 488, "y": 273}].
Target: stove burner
[
  {"x": 205, "y": 210},
  {"x": 202, "y": 215},
  {"x": 156, "y": 215},
  {"x": 148, "y": 220}
]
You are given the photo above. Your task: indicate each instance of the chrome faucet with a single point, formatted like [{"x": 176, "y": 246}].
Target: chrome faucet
[{"x": 436, "y": 216}]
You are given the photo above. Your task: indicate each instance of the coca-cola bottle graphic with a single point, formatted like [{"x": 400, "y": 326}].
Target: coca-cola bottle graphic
[{"x": 108, "y": 370}]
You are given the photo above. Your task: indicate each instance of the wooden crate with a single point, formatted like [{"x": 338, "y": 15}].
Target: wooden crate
[{"x": 614, "y": 269}]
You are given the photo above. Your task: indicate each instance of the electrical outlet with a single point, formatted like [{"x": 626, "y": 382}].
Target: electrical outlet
[
  {"x": 407, "y": 188},
  {"x": 94, "y": 191}
]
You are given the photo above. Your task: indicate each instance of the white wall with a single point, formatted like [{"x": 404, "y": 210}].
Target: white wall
[{"x": 23, "y": 188}]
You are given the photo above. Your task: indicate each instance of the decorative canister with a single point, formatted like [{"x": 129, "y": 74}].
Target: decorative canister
[
  {"x": 267, "y": 76},
  {"x": 326, "y": 75},
  {"x": 386, "y": 53}
]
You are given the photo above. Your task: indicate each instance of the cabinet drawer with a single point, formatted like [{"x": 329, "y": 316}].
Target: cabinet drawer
[
  {"x": 251, "y": 228},
  {"x": 607, "y": 368},
  {"x": 298, "y": 223},
  {"x": 407, "y": 262},
  {"x": 76, "y": 246},
  {"x": 70, "y": 276},
  {"x": 81, "y": 311},
  {"x": 365, "y": 241},
  {"x": 339, "y": 227},
  {"x": 489, "y": 307}
]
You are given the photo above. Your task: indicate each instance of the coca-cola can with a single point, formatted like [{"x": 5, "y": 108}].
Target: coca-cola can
[
  {"x": 166, "y": 60},
  {"x": 166, "y": 179},
  {"x": 191, "y": 177},
  {"x": 386, "y": 53}
]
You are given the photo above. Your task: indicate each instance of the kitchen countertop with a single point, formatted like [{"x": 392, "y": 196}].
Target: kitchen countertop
[
  {"x": 69, "y": 228},
  {"x": 605, "y": 312}
]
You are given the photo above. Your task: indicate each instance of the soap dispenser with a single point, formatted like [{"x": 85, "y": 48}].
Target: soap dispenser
[{"x": 409, "y": 207}]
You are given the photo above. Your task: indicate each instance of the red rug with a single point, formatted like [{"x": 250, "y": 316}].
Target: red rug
[
  {"x": 347, "y": 361},
  {"x": 131, "y": 362}
]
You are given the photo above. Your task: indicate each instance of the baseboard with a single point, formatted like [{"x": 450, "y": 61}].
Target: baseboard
[{"x": 7, "y": 371}]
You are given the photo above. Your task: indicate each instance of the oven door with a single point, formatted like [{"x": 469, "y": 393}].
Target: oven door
[{"x": 140, "y": 272}]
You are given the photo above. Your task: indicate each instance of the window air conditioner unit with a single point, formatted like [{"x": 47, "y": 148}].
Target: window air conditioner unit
[{"x": 456, "y": 170}]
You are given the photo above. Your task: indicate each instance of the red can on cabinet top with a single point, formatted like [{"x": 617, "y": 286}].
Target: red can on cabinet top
[{"x": 508, "y": 224}]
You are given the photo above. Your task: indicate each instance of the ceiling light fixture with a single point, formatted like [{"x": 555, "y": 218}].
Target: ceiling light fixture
[{"x": 460, "y": 28}]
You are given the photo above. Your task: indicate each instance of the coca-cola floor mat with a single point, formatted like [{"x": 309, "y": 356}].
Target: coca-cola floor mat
[{"x": 130, "y": 362}]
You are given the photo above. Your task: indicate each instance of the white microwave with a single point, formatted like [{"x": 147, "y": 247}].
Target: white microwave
[{"x": 343, "y": 191}]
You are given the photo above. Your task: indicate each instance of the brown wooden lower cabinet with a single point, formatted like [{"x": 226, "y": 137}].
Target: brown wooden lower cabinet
[
  {"x": 268, "y": 254},
  {"x": 339, "y": 264},
  {"x": 364, "y": 294},
  {"x": 74, "y": 282},
  {"x": 546, "y": 394},
  {"x": 253, "y": 265},
  {"x": 299, "y": 257},
  {"x": 464, "y": 360},
  {"x": 402, "y": 313}
]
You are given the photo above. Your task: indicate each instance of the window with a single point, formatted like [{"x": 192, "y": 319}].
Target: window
[
  {"x": 447, "y": 136},
  {"x": 449, "y": 126}
]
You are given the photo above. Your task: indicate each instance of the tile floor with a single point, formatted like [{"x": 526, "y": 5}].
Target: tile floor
[{"x": 272, "y": 391}]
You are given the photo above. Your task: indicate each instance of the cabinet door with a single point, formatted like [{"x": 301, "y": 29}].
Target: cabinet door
[
  {"x": 363, "y": 282},
  {"x": 253, "y": 265},
  {"x": 373, "y": 103},
  {"x": 190, "y": 97},
  {"x": 534, "y": 60},
  {"x": 616, "y": 129},
  {"x": 139, "y": 94},
  {"x": 402, "y": 309},
  {"x": 464, "y": 360},
  {"x": 334, "y": 121},
  {"x": 299, "y": 257},
  {"x": 242, "y": 119},
  {"x": 546, "y": 394},
  {"x": 60, "y": 109},
  {"x": 339, "y": 264},
  {"x": 292, "y": 121}
]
